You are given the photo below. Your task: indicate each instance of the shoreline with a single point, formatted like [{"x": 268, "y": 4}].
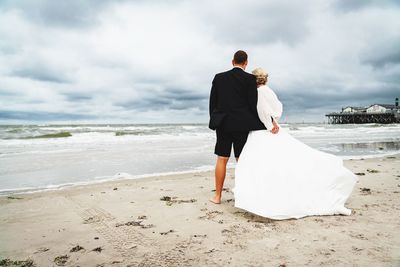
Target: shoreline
[
  {"x": 127, "y": 176},
  {"x": 168, "y": 221}
]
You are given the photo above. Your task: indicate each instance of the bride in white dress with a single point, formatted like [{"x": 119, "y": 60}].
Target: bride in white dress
[{"x": 279, "y": 177}]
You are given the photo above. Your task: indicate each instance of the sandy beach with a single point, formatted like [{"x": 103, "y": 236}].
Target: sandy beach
[{"x": 168, "y": 221}]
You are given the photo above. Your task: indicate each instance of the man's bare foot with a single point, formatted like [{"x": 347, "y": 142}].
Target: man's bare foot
[{"x": 216, "y": 200}]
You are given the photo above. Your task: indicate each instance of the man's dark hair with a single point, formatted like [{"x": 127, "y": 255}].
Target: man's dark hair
[{"x": 240, "y": 57}]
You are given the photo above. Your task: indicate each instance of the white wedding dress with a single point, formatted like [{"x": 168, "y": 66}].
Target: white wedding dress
[{"x": 279, "y": 177}]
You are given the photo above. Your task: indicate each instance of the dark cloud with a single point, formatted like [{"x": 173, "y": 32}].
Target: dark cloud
[
  {"x": 5, "y": 93},
  {"x": 40, "y": 116},
  {"x": 71, "y": 13},
  {"x": 384, "y": 52},
  {"x": 168, "y": 99},
  {"x": 383, "y": 58},
  {"x": 257, "y": 22},
  {"x": 77, "y": 97},
  {"x": 8, "y": 49},
  {"x": 145, "y": 104},
  {"x": 333, "y": 99},
  {"x": 356, "y": 5},
  {"x": 182, "y": 95},
  {"x": 40, "y": 73}
]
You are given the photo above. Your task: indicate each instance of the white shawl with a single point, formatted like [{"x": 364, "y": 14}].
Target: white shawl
[{"x": 268, "y": 105}]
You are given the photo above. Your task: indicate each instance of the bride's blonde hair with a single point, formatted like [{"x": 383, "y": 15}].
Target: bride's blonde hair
[{"x": 261, "y": 76}]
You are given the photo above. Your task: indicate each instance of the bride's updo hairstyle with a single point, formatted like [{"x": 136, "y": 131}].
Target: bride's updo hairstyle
[{"x": 261, "y": 76}]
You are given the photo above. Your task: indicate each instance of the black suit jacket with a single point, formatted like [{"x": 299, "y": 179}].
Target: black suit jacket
[{"x": 234, "y": 93}]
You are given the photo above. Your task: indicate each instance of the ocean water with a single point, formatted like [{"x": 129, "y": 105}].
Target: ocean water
[{"x": 38, "y": 157}]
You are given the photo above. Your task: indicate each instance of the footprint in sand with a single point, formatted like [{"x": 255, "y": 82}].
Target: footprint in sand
[
  {"x": 135, "y": 223},
  {"x": 211, "y": 215},
  {"x": 359, "y": 236},
  {"x": 173, "y": 200}
]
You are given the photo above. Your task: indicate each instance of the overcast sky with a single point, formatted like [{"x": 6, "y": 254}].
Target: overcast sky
[{"x": 153, "y": 61}]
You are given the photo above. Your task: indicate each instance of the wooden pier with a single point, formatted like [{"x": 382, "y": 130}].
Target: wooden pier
[{"x": 376, "y": 113}]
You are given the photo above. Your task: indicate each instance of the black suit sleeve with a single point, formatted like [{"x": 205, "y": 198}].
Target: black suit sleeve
[
  {"x": 252, "y": 94},
  {"x": 213, "y": 96}
]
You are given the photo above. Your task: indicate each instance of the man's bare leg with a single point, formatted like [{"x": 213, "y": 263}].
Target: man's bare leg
[{"x": 220, "y": 172}]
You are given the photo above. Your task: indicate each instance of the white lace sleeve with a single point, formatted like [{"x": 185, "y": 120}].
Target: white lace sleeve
[{"x": 268, "y": 105}]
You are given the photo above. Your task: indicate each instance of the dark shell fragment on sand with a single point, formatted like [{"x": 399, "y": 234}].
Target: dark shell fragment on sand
[
  {"x": 61, "y": 260},
  {"x": 165, "y": 198},
  {"x": 76, "y": 248},
  {"x": 167, "y": 232},
  {"x": 98, "y": 249},
  {"x": 40, "y": 250},
  {"x": 365, "y": 190}
]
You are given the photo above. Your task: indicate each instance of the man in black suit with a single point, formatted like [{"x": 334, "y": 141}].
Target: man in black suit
[{"x": 233, "y": 113}]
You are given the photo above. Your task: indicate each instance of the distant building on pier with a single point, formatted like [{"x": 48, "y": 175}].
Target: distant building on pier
[{"x": 376, "y": 113}]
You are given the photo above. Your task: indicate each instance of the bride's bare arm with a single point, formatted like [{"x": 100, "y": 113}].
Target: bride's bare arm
[{"x": 275, "y": 129}]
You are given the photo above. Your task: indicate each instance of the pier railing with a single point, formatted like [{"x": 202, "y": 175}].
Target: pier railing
[{"x": 363, "y": 117}]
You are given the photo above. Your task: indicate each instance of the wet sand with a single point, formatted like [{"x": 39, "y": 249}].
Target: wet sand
[{"x": 168, "y": 221}]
